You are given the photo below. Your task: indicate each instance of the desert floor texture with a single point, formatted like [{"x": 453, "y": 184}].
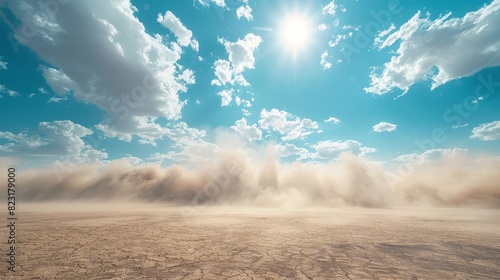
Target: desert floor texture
[{"x": 230, "y": 243}]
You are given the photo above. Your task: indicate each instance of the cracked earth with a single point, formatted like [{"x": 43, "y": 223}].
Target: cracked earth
[{"x": 221, "y": 243}]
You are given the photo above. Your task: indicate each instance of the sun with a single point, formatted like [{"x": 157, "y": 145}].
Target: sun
[{"x": 295, "y": 32}]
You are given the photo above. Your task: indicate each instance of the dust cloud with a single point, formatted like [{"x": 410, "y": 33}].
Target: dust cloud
[{"x": 239, "y": 180}]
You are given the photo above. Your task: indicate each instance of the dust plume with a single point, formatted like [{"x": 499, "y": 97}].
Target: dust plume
[{"x": 241, "y": 181}]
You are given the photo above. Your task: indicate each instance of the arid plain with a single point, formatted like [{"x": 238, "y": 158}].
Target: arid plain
[{"x": 138, "y": 242}]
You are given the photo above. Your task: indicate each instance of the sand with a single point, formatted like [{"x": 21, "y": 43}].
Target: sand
[{"x": 228, "y": 243}]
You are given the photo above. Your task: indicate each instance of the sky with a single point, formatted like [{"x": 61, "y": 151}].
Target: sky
[{"x": 181, "y": 83}]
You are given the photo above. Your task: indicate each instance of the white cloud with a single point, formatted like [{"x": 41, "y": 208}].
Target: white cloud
[
  {"x": 323, "y": 62},
  {"x": 286, "y": 124},
  {"x": 187, "y": 76},
  {"x": 244, "y": 11},
  {"x": 134, "y": 161},
  {"x": 288, "y": 149},
  {"x": 332, "y": 149},
  {"x": 440, "y": 50},
  {"x": 251, "y": 132},
  {"x": 219, "y": 3},
  {"x": 475, "y": 101},
  {"x": 241, "y": 52},
  {"x": 58, "y": 138},
  {"x": 429, "y": 155},
  {"x": 158, "y": 157},
  {"x": 322, "y": 27},
  {"x": 240, "y": 101},
  {"x": 384, "y": 127},
  {"x": 487, "y": 131},
  {"x": 7, "y": 91},
  {"x": 223, "y": 72},
  {"x": 350, "y": 27},
  {"x": 114, "y": 63},
  {"x": 58, "y": 81},
  {"x": 184, "y": 35},
  {"x": 12, "y": 93},
  {"x": 56, "y": 99},
  {"x": 460, "y": 126},
  {"x": 193, "y": 154},
  {"x": 379, "y": 39},
  {"x": 241, "y": 57},
  {"x": 3, "y": 64},
  {"x": 332, "y": 120},
  {"x": 226, "y": 96},
  {"x": 182, "y": 134},
  {"x": 178, "y": 132},
  {"x": 339, "y": 38},
  {"x": 330, "y": 9}
]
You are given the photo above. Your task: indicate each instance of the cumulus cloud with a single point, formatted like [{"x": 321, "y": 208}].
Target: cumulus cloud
[
  {"x": 224, "y": 73},
  {"x": 182, "y": 134},
  {"x": 57, "y": 138},
  {"x": 322, "y": 27},
  {"x": 250, "y": 132},
  {"x": 430, "y": 155},
  {"x": 338, "y": 38},
  {"x": 58, "y": 81},
  {"x": 440, "y": 50},
  {"x": 384, "y": 127},
  {"x": 288, "y": 149},
  {"x": 487, "y": 131},
  {"x": 226, "y": 96},
  {"x": 189, "y": 149},
  {"x": 219, "y": 3},
  {"x": 114, "y": 63},
  {"x": 286, "y": 124},
  {"x": 189, "y": 155},
  {"x": 184, "y": 35},
  {"x": 3, "y": 64},
  {"x": 240, "y": 101},
  {"x": 241, "y": 57},
  {"x": 179, "y": 132},
  {"x": 135, "y": 161},
  {"x": 324, "y": 63},
  {"x": 333, "y": 120},
  {"x": 330, "y": 9},
  {"x": 9, "y": 92},
  {"x": 244, "y": 11},
  {"x": 241, "y": 52},
  {"x": 332, "y": 149},
  {"x": 380, "y": 41}
]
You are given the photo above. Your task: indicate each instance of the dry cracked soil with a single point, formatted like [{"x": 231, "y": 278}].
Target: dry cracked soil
[{"x": 230, "y": 243}]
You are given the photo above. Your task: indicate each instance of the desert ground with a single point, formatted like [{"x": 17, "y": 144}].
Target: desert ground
[{"x": 137, "y": 242}]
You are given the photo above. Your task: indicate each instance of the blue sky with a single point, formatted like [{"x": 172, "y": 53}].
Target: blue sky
[{"x": 181, "y": 82}]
